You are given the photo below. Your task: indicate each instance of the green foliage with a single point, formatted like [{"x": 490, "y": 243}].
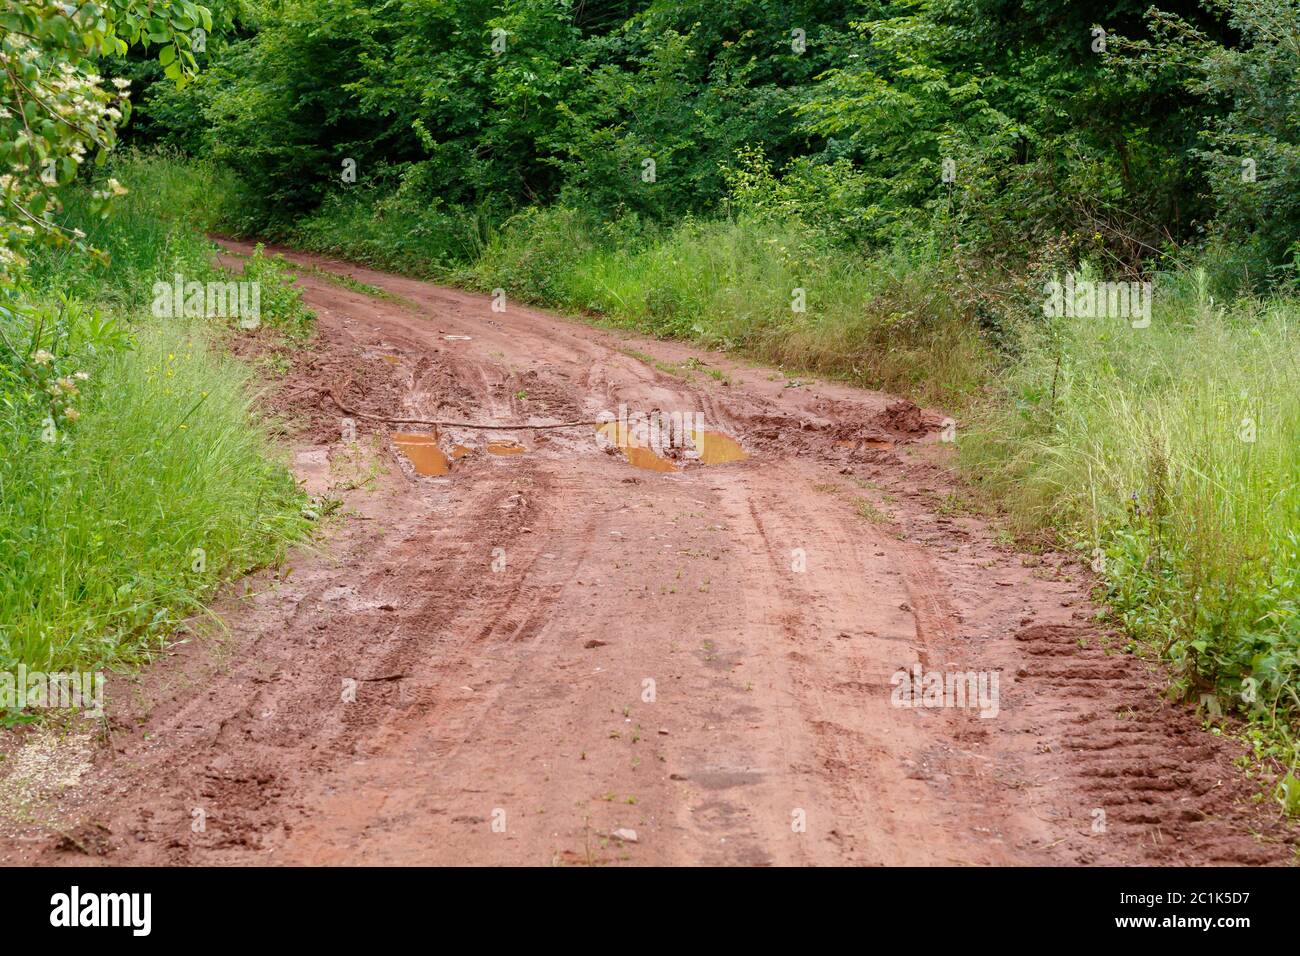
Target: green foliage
[
  {"x": 54, "y": 107},
  {"x": 1175, "y": 449},
  {"x": 98, "y": 529},
  {"x": 897, "y": 321},
  {"x": 282, "y": 307},
  {"x": 1250, "y": 148},
  {"x": 125, "y": 444},
  {"x": 398, "y": 230},
  {"x": 152, "y": 232}
]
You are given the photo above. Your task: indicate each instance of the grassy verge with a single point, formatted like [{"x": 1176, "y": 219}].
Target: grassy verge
[
  {"x": 136, "y": 474},
  {"x": 161, "y": 489},
  {"x": 777, "y": 292},
  {"x": 1170, "y": 455}
]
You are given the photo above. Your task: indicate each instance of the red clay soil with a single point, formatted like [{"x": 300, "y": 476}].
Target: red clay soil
[{"x": 559, "y": 658}]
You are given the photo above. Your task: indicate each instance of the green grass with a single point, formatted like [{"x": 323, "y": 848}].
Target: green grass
[
  {"x": 163, "y": 481},
  {"x": 155, "y": 230},
  {"x": 391, "y": 231},
  {"x": 100, "y": 529},
  {"x": 1135, "y": 442},
  {"x": 353, "y": 284},
  {"x": 889, "y": 321}
]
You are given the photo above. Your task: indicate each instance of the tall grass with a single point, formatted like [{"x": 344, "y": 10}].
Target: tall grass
[
  {"x": 116, "y": 524},
  {"x": 776, "y": 291},
  {"x": 165, "y": 486},
  {"x": 157, "y": 229},
  {"x": 392, "y": 231},
  {"x": 1175, "y": 450}
]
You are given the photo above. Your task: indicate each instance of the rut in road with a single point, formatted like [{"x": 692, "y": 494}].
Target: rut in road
[{"x": 524, "y": 659}]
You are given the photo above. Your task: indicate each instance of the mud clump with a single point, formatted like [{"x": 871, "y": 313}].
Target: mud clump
[{"x": 903, "y": 416}]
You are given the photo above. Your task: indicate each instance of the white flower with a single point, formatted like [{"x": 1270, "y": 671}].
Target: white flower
[{"x": 42, "y": 357}]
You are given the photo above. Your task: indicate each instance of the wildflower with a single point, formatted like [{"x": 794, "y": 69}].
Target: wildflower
[
  {"x": 42, "y": 357},
  {"x": 71, "y": 414},
  {"x": 81, "y": 376}
]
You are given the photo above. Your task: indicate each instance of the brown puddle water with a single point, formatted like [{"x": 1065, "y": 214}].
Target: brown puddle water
[
  {"x": 644, "y": 458},
  {"x": 423, "y": 451},
  {"x": 717, "y": 449},
  {"x": 504, "y": 446}
]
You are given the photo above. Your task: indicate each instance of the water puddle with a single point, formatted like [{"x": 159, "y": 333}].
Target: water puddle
[
  {"x": 719, "y": 449},
  {"x": 640, "y": 457},
  {"x": 460, "y": 451},
  {"x": 504, "y": 446},
  {"x": 647, "y": 460},
  {"x": 423, "y": 451}
]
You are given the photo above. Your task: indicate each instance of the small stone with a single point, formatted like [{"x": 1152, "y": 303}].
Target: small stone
[{"x": 624, "y": 834}]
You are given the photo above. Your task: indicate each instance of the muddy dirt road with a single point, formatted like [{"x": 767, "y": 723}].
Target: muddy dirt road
[{"x": 549, "y": 655}]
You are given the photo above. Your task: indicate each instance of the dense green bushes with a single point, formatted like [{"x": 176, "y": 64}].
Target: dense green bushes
[{"x": 1111, "y": 132}]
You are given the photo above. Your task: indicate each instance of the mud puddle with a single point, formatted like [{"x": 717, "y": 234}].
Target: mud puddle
[
  {"x": 716, "y": 448},
  {"x": 421, "y": 448},
  {"x": 719, "y": 449}
]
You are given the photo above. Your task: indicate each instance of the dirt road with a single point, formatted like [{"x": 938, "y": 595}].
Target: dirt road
[{"x": 551, "y": 656}]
